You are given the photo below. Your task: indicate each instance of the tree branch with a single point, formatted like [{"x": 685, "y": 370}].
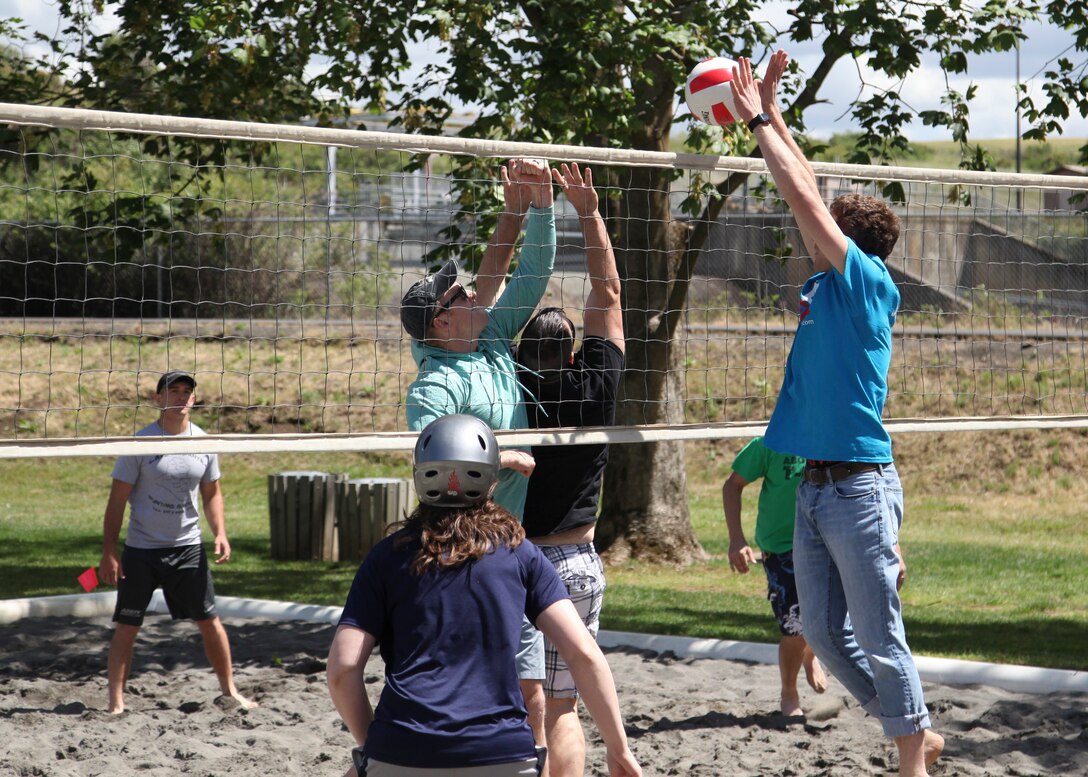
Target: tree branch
[{"x": 833, "y": 49}]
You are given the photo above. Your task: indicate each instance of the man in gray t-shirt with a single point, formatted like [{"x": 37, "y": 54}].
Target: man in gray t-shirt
[{"x": 163, "y": 546}]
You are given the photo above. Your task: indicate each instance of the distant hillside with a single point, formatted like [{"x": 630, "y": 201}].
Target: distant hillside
[{"x": 1035, "y": 156}]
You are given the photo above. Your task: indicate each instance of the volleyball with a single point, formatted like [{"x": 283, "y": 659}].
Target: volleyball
[{"x": 708, "y": 93}]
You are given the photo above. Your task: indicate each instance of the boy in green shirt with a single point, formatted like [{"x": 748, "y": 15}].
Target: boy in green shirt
[{"x": 774, "y": 535}]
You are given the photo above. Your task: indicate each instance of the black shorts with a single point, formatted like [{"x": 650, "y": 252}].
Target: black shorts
[
  {"x": 782, "y": 592},
  {"x": 182, "y": 573}
]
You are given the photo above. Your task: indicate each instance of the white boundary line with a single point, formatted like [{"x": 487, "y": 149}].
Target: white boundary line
[{"x": 946, "y": 671}]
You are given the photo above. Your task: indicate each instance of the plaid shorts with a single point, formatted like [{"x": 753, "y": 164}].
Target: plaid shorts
[
  {"x": 782, "y": 592},
  {"x": 582, "y": 572}
]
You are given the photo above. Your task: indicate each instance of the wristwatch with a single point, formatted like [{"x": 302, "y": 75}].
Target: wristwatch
[{"x": 759, "y": 119}]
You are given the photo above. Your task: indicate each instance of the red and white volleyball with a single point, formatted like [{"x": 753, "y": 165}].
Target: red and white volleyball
[{"x": 708, "y": 93}]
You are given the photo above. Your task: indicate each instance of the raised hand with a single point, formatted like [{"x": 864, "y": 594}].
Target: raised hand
[
  {"x": 746, "y": 95},
  {"x": 534, "y": 174},
  {"x": 578, "y": 189},
  {"x": 768, "y": 87},
  {"x": 515, "y": 194}
]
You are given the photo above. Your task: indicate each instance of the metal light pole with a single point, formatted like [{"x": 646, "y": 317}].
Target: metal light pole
[{"x": 1016, "y": 87}]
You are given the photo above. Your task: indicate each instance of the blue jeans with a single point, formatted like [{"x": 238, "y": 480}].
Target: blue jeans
[{"x": 846, "y": 567}]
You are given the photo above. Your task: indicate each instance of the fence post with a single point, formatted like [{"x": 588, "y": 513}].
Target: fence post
[
  {"x": 302, "y": 515},
  {"x": 365, "y": 508}
]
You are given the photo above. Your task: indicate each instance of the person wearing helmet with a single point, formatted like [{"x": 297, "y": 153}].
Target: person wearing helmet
[
  {"x": 444, "y": 597},
  {"x": 461, "y": 342},
  {"x": 461, "y": 338}
]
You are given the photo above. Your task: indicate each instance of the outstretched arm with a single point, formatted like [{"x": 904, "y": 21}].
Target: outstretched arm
[
  {"x": 537, "y": 258},
  {"x": 603, "y": 315},
  {"x": 792, "y": 176},
  {"x": 495, "y": 263},
  {"x": 768, "y": 99}
]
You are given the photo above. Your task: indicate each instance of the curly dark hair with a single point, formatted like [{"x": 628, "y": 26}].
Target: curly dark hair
[
  {"x": 869, "y": 222},
  {"x": 449, "y": 537}
]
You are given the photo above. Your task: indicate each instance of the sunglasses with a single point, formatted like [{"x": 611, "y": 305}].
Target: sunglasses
[{"x": 442, "y": 307}]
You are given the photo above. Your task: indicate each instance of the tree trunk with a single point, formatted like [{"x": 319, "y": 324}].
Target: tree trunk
[{"x": 645, "y": 501}]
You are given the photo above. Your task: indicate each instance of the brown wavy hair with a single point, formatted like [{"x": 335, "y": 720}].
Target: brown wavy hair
[
  {"x": 869, "y": 222},
  {"x": 449, "y": 537}
]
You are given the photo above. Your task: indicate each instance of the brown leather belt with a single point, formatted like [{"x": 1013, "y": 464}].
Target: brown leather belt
[{"x": 830, "y": 472}]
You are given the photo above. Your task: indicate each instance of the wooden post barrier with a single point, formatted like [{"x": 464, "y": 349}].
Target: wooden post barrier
[
  {"x": 365, "y": 508},
  {"x": 302, "y": 515}
]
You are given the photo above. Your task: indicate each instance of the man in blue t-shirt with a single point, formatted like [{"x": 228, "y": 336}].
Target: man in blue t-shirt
[
  {"x": 163, "y": 545},
  {"x": 850, "y": 503}
]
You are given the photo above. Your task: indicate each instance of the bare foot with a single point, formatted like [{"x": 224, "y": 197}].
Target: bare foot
[
  {"x": 117, "y": 710},
  {"x": 243, "y": 702},
  {"x": 932, "y": 747},
  {"x": 814, "y": 672},
  {"x": 791, "y": 706}
]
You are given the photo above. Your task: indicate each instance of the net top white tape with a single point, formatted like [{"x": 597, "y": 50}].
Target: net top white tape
[
  {"x": 151, "y": 124},
  {"x": 405, "y": 441}
]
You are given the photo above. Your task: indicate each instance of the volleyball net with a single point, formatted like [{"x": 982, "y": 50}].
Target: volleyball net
[{"x": 269, "y": 262}]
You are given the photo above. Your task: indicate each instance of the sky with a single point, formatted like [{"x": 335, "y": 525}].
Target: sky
[{"x": 993, "y": 112}]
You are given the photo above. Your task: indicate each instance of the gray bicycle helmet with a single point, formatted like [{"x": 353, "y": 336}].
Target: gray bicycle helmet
[{"x": 456, "y": 462}]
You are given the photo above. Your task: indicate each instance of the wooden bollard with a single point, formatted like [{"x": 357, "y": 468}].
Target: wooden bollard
[
  {"x": 366, "y": 508},
  {"x": 302, "y": 515}
]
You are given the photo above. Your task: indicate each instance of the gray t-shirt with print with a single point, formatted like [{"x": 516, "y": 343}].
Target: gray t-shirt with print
[{"x": 165, "y": 493}]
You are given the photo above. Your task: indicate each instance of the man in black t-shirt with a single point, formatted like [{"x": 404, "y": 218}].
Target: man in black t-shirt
[{"x": 568, "y": 388}]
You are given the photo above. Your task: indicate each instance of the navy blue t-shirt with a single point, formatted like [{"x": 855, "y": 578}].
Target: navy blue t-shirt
[{"x": 448, "y": 639}]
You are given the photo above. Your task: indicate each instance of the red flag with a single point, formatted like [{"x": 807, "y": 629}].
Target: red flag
[{"x": 89, "y": 580}]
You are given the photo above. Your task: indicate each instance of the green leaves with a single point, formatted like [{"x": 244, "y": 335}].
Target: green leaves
[{"x": 594, "y": 72}]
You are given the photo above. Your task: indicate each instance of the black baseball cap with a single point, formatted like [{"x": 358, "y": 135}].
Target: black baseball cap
[
  {"x": 417, "y": 306},
  {"x": 174, "y": 376}
]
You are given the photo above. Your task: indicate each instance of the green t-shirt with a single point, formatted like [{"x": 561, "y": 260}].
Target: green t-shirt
[{"x": 781, "y": 473}]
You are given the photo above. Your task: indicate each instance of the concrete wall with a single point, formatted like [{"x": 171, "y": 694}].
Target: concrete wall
[{"x": 939, "y": 263}]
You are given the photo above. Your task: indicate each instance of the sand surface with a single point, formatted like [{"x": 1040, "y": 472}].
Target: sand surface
[{"x": 684, "y": 716}]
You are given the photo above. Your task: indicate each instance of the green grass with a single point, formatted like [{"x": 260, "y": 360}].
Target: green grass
[{"x": 996, "y": 564}]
